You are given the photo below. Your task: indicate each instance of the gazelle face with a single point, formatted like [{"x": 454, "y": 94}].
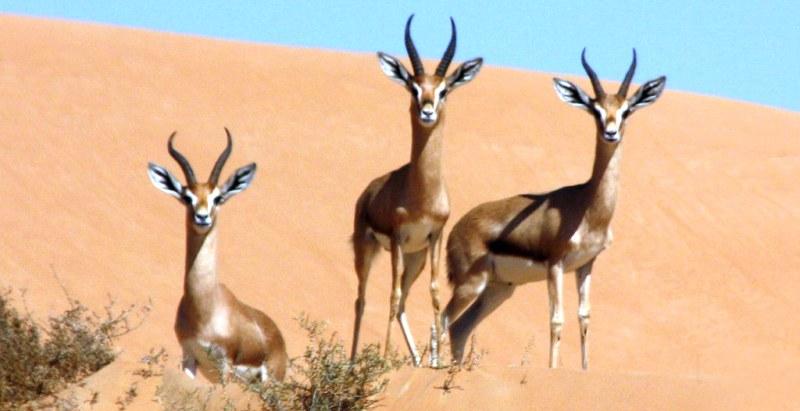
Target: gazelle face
[
  {"x": 610, "y": 113},
  {"x": 428, "y": 95},
  {"x": 429, "y": 92},
  {"x": 610, "y": 110},
  {"x": 202, "y": 200}
]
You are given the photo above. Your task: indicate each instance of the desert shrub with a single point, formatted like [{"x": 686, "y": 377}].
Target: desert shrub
[
  {"x": 37, "y": 360},
  {"x": 324, "y": 378}
]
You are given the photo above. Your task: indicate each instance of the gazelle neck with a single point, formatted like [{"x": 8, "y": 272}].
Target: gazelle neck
[
  {"x": 201, "y": 260},
  {"x": 426, "y": 153},
  {"x": 604, "y": 183}
]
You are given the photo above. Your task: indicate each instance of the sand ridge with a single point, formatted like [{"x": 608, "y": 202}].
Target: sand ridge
[{"x": 698, "y": 288}]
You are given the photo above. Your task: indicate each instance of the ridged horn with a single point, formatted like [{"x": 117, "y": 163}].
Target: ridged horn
[
  {"x": 598, "y": 88},
  {"x": 182, "y": 161},
  {"x": 416, "y": 63},
  {"x": 444, "y": 64},
  {"x": 223, "y": 157},
  {"x": 623, "y": 88}
]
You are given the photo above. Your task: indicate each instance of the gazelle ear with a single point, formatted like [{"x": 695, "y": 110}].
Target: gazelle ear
[
  {"x": 239, "y": 181},
  {"x": 647, "y": 94},
  {"x": 572, "y": 94},
  {"x": 465, "y": 73},
  {"x": 164, "y": 180},
  {"x": 394, "y": 69}
]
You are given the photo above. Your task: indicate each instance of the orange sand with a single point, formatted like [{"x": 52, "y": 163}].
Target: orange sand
[{"x": 693, "y": 306}]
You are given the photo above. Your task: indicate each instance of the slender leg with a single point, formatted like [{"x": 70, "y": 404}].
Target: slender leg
[
  {"x": 583, "y": 279},
  {"x": 365, "y": 249},
  {"x": 466, "y": 292},
  {"x": 435, "y": 246},
  {"x": 189, "y": 364},
  {"x": 555, "y": 288},
  {"x": 487, "y": 302},
  {"x": 412, "y": 267},
  {"x": 394, "y": 300}
]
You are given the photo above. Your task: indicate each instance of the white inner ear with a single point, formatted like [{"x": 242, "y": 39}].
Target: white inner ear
[{"x": 392, "y": 70}]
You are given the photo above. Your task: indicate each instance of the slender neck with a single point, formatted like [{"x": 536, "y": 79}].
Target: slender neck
[
  {"x": 604, "y": 183},
  {"x": 425, "y": 167},
  {"x": 201, "y": 261}
]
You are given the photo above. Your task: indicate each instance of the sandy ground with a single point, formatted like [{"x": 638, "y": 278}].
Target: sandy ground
[{"x": 693, "y": 305}]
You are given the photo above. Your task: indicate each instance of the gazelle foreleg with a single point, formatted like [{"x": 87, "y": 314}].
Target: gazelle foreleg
[
  {"x": 189, "y": 364},
  {"x": 435, "y": 246},
  {"x": 397, "y": 292},
  {"x": 583, "y": 279},
  {"x": 555, "y": 290},
  {"x": 412, "y": 266}
]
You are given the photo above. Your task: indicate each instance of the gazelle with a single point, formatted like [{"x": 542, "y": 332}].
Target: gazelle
[
  {"x": 499, "y": 245},
  {"x": 405, "y": 210},
  {"x": 212, "y": 325}
]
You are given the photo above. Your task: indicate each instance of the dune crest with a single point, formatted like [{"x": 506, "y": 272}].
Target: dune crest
[{"x": 697, "y": 293}]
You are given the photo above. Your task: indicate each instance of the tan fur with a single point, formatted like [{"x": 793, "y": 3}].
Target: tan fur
[
  {"x": 213, "y": 327},
  {"x": 499, "y": 245},
  {"x": 391, "y": 205},
  {"x": 253, "y": 338}
]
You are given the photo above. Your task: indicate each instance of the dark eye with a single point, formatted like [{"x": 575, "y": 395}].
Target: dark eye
[
  {"x": 443, "y": 93},
  {"x": 217, "y": 200},
  {"x": 185, "y": 197}
]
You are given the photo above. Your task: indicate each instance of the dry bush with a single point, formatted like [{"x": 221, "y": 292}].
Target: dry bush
[
  {"x": 324, "y": 378},
  {"x": 38, "y": 361}
]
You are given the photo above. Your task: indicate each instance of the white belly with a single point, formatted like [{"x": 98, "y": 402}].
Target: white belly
[
  {"x": 518, "y": 270},
  {"x": 414, "y": 235}
]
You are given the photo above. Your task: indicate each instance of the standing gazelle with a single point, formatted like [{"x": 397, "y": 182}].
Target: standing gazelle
[
  {"x": 212, "y": 324},
  {"x": 405, "y": 210},
  {"x": 499, "y": 245}
]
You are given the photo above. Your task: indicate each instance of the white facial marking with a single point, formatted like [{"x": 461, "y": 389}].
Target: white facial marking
[
  {"x": 192, "y": 197},
  {"x": 417, "y": 91},
  {"x": 437, "y": 95}
]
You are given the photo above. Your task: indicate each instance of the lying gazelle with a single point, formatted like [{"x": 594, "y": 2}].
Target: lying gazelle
[
  {"x": 212, "y": 325},
  {"x": 502, "y": 244},
  {"x": 405, "y": 210}
]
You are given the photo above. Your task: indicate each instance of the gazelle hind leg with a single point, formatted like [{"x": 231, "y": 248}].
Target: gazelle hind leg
[
  {"x": 555, "y": 290},
  {"x": 487, "y": 302},
  {"x": 365, "y": 249},
  {"x": 465, "y": 292},
  {"x": 397, "y": 292},
  {"x": 412, "y": 267},
  {"x": 583, "y": 279}
]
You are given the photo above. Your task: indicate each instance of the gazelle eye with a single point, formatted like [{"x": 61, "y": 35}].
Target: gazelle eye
[{"x": 217, "y": 200}]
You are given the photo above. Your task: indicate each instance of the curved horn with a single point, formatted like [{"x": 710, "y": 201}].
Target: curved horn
[
  {"x": 182, "y": 161},
  {"x": 416, "y": 63},
  {"x": 598, "y": 88},
  {"x": 223, "y": 157},
  {"x": 623, "y": 88},
  {"x": 441, "y": 69}
]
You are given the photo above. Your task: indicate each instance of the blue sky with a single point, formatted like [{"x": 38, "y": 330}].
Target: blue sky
[{"x": 735, "y": 49}]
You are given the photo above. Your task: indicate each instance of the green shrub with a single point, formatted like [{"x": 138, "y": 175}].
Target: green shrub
[
  {"x": 38, "y": 361},
  {"x": 324, "y": 378}
]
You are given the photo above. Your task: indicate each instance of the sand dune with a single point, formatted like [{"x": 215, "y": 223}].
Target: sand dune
[{"x": 693, "y": 306}]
